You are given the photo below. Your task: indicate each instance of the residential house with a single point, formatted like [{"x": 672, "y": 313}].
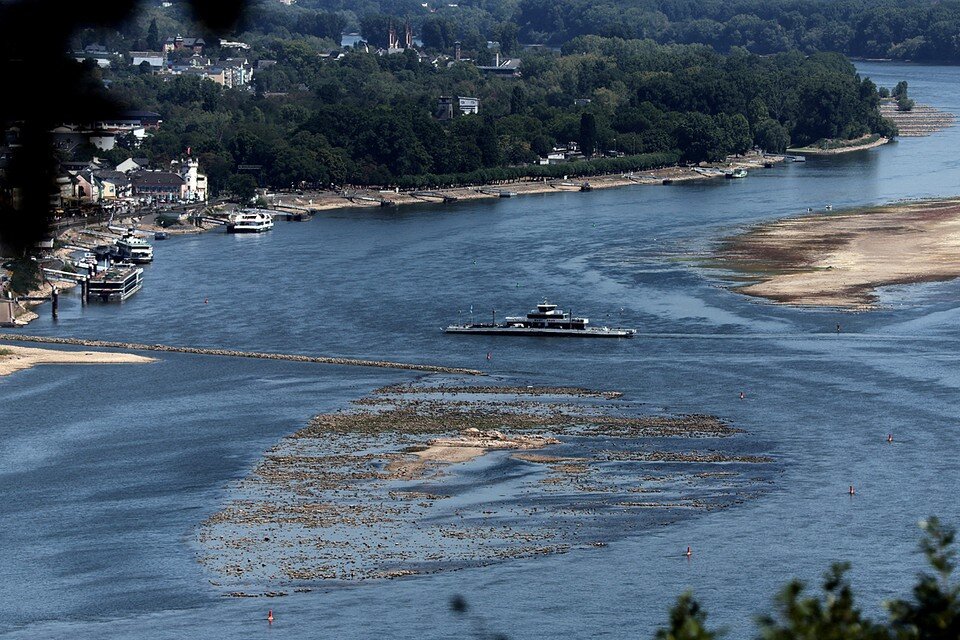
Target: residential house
[
  {"x": 506, "y": 67},
  {"x": 449, "y": 107},
  {"x": 164, "y": 186},
  {"x": 156, "y": 59},
  {"x": 96, "y": 52},
  {"x": 110, "y": 185},
  {"x": 178, "y": 42},
  {"x": 132, "y": 164}
]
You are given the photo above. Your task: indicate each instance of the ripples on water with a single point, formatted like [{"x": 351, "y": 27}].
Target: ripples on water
[{"x": 108, "y": 470}]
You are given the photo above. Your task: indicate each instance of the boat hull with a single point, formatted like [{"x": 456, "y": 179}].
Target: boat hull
[{"x": 531, "y": 332}]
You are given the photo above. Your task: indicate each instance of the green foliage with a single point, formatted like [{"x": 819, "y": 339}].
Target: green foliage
[
  {"x": 904, "y": 103},
  {"x": 900, "y": 91},
  {"x": 588, "y": 134},
  {"x": 25, "y": 276},
  {"x": 687, "y": 622},
  {"x": 364, "y": 119},
  {"x": 933, "y": 613},
  {"x": 243, "y": 187},
  {"x": 883, "y": 92}
]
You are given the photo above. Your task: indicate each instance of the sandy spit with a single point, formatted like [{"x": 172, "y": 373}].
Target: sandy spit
[
  {"x": 840, "y": 260},
  {"x": 13, "y": 359}
]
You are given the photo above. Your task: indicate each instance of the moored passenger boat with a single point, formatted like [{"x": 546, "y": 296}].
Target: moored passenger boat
[
  {"x": 116, "y": 283},
  {"x": 249, "y": 222}
]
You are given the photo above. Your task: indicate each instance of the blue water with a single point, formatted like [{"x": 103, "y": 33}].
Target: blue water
[{"x": 107, "y": 471}]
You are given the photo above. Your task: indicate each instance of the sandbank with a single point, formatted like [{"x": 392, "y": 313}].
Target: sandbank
[
  {"x": 839, "y": 260},
  {"x": 13, "y": 359}
]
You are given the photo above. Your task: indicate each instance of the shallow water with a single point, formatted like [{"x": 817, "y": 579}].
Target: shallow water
[{"x": 107, "y": 471}]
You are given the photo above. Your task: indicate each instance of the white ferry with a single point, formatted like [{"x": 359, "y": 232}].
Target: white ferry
[
  {"x": 545, "y": 320},
  {"x": 133, "y": 248},
  {"x": 249, "y": 222}
]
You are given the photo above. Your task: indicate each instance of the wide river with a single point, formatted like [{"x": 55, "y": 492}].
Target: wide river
[{"x": 106, "y": 472}]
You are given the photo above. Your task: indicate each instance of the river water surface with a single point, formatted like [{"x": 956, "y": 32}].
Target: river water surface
[{"x": 107, "y": 471}]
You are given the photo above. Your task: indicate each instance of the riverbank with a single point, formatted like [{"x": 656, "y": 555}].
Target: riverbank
[
  {"x": 327, "y": 200},
  {"x": 833, "y": 147},
  {"x": 13, "y": 359},
  {"x": 839, "y": 260}
]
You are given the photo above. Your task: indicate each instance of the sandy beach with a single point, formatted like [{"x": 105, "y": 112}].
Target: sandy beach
[
  {"x": 839, "y": 260},
  {"x": 816, "y": 151},
  {"x": 13, "y": 359}
]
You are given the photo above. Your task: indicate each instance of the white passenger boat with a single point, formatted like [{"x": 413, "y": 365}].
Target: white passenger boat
[{"x": 244, "y": 221}]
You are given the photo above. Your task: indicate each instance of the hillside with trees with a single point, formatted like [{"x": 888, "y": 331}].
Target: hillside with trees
[{"x": 368, "y": 119}]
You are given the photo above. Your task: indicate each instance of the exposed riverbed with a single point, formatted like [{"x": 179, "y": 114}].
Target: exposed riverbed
[{"x": 110, "y": 472}]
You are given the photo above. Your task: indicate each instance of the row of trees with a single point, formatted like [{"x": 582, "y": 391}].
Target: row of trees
[{"x": 370, "y": 120}]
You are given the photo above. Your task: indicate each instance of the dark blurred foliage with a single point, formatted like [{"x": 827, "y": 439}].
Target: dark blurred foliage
[{"x": 46, "y": 88}]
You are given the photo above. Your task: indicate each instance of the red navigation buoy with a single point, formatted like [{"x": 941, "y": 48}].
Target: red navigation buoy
[
  {"x": 853, "y": 491},
  {"x": 689, "y": 552},
  {"x": 270, "y": 616},
  {"x": 890, "y": 437}
]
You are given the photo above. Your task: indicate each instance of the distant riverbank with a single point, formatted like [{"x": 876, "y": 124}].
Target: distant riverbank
[
  {"x": 833, "y": 147},
  {"x": 325, "y": 200},
  {"x": 840, "y": 260}
]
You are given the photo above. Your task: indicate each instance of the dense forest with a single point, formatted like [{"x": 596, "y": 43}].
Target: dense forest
[
  {"x": 902, "y": 29},
  {"x": 370, "y": 120}
]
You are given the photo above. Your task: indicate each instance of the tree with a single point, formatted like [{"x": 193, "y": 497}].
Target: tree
[
  {"x": 687, "y": 622},
  {"x": 438, "y": 33},
  {"x": 242, "y": 186},
  {"x": 153, "y": 36},
  {"x": 375, "y": 29},
  {"x": 934, "y": 611},
  {"x": 518, "y": 100},
  {"x": 883, "y": 92},
  {"x": 904, "y": 103},
  {"x": 771, "y": 136},
  {"x": 588, "y": 134},
  {"x": 900, "y": 89}
]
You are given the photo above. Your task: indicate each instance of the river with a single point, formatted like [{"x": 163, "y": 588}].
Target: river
[{"x": 107, "y": 471}]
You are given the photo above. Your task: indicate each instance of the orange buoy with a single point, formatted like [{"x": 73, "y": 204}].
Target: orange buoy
[
  {"x": 270, "y": 616},
  {"x": 853, "y": 491},
  {"x": 689, "y": 552}
]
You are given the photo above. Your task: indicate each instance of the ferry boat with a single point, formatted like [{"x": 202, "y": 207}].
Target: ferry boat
[
  {"x": 249, "y": 222},
  {"x": 545, "y": 320},
  {"x": 117, "y": 282},
  {"x": 133, "y": 248}
]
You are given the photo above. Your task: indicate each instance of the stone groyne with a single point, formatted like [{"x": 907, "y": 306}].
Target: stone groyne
[
  {"x": 133, "y": 346},
  {"x": 922, "y": 120}
]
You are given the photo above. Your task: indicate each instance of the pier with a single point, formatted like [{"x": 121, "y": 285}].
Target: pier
[{"x": 231, "y": 353}]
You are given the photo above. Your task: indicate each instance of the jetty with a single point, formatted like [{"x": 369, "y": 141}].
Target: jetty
[{"x": 231, "y": 353}]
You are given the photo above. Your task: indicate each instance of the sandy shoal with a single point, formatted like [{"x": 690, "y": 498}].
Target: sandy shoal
[
  {"x": 840, "y": 260},
  {"x": 13, "y": 359}
]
